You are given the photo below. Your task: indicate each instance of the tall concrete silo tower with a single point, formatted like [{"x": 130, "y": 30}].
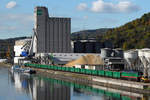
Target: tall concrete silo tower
[{"x": 53, "y": 33}]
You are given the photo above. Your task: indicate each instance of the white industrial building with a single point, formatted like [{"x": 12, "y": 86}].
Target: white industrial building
[{"x": 20, "y": 46}]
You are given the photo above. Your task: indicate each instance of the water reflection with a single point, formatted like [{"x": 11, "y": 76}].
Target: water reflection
[
  {"x": 42, "y": 88},
  {"x": 38, "y": 88}
]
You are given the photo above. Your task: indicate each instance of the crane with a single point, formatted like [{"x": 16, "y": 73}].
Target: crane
[{"x": 8, "y": 53}]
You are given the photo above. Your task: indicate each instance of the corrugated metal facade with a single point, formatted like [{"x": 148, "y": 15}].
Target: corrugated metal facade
[
  {"x": 98, "y": 46},
  {"x": 53, "y": 34},
  {"x": 79, "y": 47},
  {"x": 88, "y": 47}
]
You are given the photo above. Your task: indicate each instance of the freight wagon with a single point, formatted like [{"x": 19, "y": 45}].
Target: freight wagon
[{"x": 135, "y": 76}]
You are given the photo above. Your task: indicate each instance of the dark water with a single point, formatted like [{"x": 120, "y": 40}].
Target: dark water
[{"x": 15, "y": 86}]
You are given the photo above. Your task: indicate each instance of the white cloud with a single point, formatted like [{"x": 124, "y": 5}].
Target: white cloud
[
  {"x": 11, "y": 4},
  {"x": 82, "y": 6},
  {"x": 16, "y": 23},
  {"x": 8, "y": 28},
  {"x": 100, "y": 6},
  {"x": 20, "y": 17}
]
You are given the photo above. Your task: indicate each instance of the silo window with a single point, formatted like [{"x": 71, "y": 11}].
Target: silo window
[{"x": 39, "y": 12}]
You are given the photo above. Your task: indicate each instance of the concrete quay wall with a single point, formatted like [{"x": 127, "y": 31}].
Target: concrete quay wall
[{"x": 123, "y": 83}]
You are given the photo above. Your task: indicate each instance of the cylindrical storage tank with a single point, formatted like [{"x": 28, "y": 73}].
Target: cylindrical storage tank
[
  {"x": 145, "y": 60},
  {"x": 119, "y": 53},
  {"x": 147, "y": 56},
  {"x": 141, "y": 53},
  {"x": 130, "y": 58},
  {"x": 131, "y": 55},
  {"x": 106, "y": 52}
]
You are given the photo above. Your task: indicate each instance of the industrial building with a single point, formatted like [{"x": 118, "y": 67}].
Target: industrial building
[
  {"x": 87, "y": 47},
  {"x": 113, "y": 58},
  {"x": 52, "y": 45},
  {"x": 21, "y": 49},
  {"x": 90, "y": 46},
  {"x": 52, "y": 33}
]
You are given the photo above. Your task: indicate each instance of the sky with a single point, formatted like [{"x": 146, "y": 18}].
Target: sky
[{"x": 17, "y": 16}]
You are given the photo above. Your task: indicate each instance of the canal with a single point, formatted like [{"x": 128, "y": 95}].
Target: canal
[{"x": 16, "y": 86}]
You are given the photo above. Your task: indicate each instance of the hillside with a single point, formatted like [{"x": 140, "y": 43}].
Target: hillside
[
  {"x": 88, "y": 34},
  {"x": 8, "y": 44},
  {"x": 132, "y": 35},
  {"x": 13, "y": 39},
  {"x": 135, "y": 34}
]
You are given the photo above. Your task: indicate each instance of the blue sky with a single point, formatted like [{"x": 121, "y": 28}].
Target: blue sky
[{"x": 16, "y": 17}]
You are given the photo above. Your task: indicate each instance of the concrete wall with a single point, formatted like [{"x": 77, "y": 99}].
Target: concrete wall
[
  {"x": 122, "y": 83},
  {"x": 71, "y": 56}
]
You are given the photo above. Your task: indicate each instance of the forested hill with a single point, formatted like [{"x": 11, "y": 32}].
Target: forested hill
[
  {"x": 135, "y": 34},
  {"x": 88, "y": 34}
]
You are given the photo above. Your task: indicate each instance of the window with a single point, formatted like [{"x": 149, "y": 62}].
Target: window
[{"x": 39, "y": 12}]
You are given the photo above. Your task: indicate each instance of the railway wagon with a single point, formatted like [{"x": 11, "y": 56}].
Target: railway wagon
[{"x": 135, "y": 76}]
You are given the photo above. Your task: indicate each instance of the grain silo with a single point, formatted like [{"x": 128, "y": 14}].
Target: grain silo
[{"x": 53, "y": 33}]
